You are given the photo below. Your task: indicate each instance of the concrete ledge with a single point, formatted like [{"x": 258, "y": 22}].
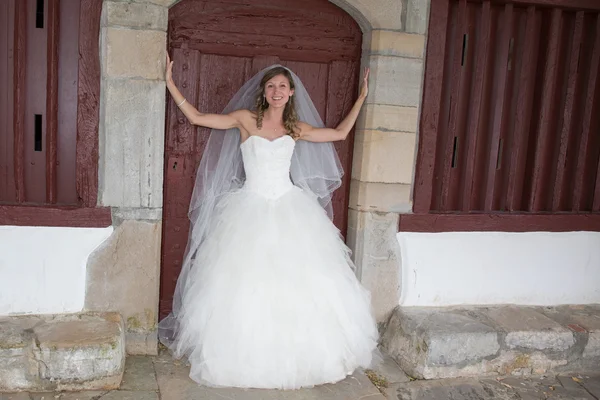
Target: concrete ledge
[
  {"x": 435, "y": 343},
  {"x": 63, "y": 352}
]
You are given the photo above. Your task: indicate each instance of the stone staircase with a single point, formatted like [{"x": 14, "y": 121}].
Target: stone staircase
[
  {"x": 63, "y": 352},
  {"x": 435, "y": 343}
]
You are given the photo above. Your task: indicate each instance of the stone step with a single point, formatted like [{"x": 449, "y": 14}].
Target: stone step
[
  {"x": 435, "y": 343},
  {"x": 61, "y": 352}
]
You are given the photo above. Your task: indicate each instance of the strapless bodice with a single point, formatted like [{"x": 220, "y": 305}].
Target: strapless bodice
[{"x": 267, "y": 164}]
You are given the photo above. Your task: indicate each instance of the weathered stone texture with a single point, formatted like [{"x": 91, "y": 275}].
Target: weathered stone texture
[
  {"x": 123, "y": 276},
  {"x": 398, "y": 44},
  {"x": 381, "y": 117},
  {"x": 133, "y": 53},
  {"x": 526, "y": 328},
  {"x": 66, "y": 352},
  {"x": 379, "y": 14},
  {"x": 139, "y": 214},
  {"x": 174, "y": 384},
  {"x": 396, "y": 81},
  {"x": 386, "y": 157},
  {"x": 139, "y": 374},
  {"x": 504, "y": 388},
  {"x": 380, "y": 197},
  {"x": 417, "y": 16},
  {"x": 132, "y": 144},
  {"x": 425, "y": 341},
  {"x": 135, "y": 15},
  {"x": 434, "y": 343},
  {"x": 18, "y": 367},
  {"x": 377, "y": 255},
  {"x": 164, "y": 3}
]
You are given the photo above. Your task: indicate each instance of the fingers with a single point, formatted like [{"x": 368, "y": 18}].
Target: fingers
[
  {"x": 365, "y": 84},
  {"x": 169, "y": 68},
  {"x": 169, "y": 63}
]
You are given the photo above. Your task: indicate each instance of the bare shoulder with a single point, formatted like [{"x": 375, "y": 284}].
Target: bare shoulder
[
  {"x": 242, "y": 115},
  {"x": 246, "y": 119},
  {"x": 252, "y": 115},
  {"x": 304, "y": 128}
]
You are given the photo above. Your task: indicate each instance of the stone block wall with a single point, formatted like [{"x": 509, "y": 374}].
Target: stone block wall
[
  {"x": 385, "y": 144},
  {"x": 124, "y": 273}
]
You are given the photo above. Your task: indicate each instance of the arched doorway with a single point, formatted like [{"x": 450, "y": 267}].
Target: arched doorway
[{"x": 216, "y": 47}]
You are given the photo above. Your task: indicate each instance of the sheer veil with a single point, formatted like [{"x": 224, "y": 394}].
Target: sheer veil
[{"x": 315, "y": 168}]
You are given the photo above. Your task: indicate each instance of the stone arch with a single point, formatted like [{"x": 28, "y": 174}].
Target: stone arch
[{"x": 358, "y": 11}]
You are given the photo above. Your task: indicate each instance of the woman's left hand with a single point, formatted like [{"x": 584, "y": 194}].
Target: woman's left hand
[{"x": 364, "y": 90}]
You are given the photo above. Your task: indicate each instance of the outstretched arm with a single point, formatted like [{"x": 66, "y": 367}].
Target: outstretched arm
[
  {"x": 213, "y": 121},
  {"x": 312, "y": 134}
]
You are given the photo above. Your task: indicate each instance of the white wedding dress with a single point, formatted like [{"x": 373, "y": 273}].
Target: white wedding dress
[{"x": 271, "y": 300}]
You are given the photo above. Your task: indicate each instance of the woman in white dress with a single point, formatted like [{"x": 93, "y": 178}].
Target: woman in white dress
[{"x": 267, "y": 296}]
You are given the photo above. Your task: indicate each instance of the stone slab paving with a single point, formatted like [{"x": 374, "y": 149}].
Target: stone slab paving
[
  {"x": 583, "y": 387},
  {"x": 174, "y": 384},
  {"x": 161, "y": 378}
]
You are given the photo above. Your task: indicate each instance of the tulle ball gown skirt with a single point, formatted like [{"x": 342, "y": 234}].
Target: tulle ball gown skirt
[{"x": 271, "y": 300}]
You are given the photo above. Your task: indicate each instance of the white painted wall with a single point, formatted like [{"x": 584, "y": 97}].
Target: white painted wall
[
  {"x": 43, "y": 269},
  {"x": 534, "y": 268}
]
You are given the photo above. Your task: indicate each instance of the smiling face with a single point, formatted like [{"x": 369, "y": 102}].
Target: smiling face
[
  {"x": 276, "y": 87},
  {"x": 278, "y": 91}
]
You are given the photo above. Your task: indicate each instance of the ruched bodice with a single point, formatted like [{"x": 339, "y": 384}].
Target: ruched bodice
[{"x": 267, "y": 164}]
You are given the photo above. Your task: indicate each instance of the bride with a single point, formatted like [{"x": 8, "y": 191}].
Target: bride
[{"x": 267, "y": 296}]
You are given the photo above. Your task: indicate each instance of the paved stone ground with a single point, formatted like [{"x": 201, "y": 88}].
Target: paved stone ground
[
  {"x": 396, "y": 385},
  {"x": 583, "y": 387},
  {"x": 160, "y": 378}
]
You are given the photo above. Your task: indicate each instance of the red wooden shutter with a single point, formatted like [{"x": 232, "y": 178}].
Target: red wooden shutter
[
  {"x": 39, "y": 73},
  {"x": 511, "y": 112}
]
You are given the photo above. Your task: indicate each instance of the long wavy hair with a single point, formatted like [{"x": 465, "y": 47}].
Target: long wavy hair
[{"x": 290, "y": 117}]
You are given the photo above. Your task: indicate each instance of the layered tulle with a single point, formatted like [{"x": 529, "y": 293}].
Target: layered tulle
[{"x": 272, "y": 301}]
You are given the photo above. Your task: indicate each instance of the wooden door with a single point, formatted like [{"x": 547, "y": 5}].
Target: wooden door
[{"x": 218, "y": 45}]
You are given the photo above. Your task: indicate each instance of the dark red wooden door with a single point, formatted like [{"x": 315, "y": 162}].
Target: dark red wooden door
[{"x": 216, "y": 47}]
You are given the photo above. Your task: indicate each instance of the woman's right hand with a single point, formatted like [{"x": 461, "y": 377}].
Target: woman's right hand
[{"x": 169, "y": 70}]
